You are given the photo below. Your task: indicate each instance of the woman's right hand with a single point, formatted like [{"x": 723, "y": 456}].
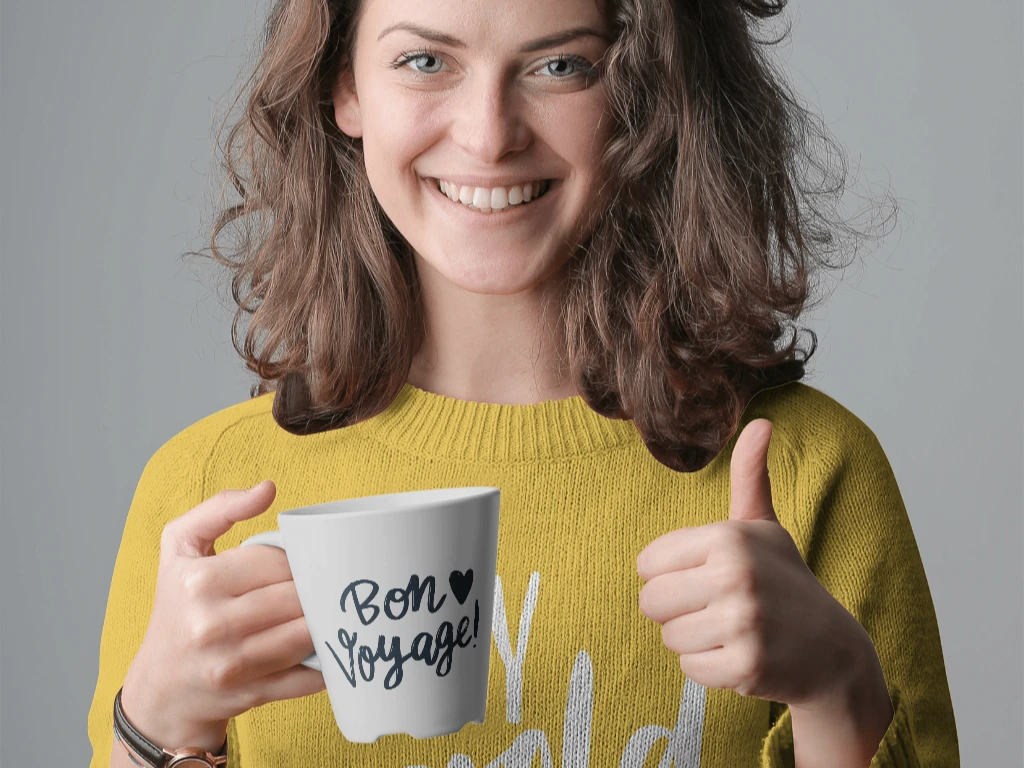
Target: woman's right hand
[{"x": 226, "y": 632}]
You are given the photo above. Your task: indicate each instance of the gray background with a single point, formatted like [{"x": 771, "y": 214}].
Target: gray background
[{"x": 110, "y": 345}]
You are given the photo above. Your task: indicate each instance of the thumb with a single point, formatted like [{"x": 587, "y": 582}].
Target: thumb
[
  {"x": 193, "y": 533},
  {"x": 751, "y": 491}
]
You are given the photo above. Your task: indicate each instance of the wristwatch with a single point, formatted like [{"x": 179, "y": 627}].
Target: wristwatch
[{"x": 157, "y": 757}]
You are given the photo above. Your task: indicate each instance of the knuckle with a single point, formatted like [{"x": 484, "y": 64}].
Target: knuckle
[
  {"x": 257, "y": 698},
  {"x": 206, "y": 631},
  {"x": 666, "y": 636},
  {"x": 739, "y": 577},
  {"x": 301, "y": 629},
  {"x": 644, "y": 600},
  {"x": 750, "y": 667},
  {"x": 296, "y": 606},
  {"x": 744, "y": 616},
  {"x": 225, "y": 672},
  {"x": 728, "y": 537},
  {"x": 197, "y": 581},
  {"x": 297, "y": 633},
  {"x": 168, "y": 535},
  {"x": 669, "y": 635}
]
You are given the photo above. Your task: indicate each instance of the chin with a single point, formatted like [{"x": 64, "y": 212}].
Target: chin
[{"x": 485, "y": 273}]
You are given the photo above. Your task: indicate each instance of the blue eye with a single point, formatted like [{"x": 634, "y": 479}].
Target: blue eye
[
  {"x": 581, "y": 66},
  {"x": 408, "y": 58}
]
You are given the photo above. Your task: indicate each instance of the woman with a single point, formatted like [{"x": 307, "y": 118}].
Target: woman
[{"x": 543, "y": 245}]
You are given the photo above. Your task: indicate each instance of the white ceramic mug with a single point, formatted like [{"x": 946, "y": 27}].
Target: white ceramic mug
[{"x": 398, "y": 593}]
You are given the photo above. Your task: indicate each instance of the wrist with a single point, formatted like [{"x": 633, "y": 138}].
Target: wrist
[
  {"x": 849, "y": 675},
  {"x": 151, "y": 717},
  {"x": 849, "y": 721}
]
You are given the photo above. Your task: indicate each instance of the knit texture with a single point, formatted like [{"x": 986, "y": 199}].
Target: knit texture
[{"x": 578, "y": 676}]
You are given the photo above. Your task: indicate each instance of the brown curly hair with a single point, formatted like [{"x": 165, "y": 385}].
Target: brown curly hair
[{"x": 674, "y": 304}]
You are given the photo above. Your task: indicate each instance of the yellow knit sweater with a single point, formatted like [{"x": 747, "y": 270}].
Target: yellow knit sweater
[{"x": 579, "y": 678}]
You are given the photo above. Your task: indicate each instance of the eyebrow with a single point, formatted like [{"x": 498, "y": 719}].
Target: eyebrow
[{"x": 559, "y": 38}]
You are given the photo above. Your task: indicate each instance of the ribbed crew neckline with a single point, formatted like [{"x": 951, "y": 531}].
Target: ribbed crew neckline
[{"x": 430, "y": 424}]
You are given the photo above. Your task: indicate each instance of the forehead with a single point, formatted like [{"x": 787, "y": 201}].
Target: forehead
[{"x": 480, "y": 23}]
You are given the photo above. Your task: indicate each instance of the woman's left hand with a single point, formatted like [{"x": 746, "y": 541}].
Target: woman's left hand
[{"x": 739, "y": 605}]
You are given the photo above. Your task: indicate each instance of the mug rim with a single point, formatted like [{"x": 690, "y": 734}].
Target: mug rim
[{"x": 351, "y": 507}]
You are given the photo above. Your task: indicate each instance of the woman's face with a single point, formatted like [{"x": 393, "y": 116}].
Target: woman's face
[{"x": 469, "y": 92}]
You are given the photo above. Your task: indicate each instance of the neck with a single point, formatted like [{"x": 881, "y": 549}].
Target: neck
[{"x": 492, "y": 348}]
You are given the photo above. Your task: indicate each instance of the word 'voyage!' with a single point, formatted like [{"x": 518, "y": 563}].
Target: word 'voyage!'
[{"x": 435, "y": 650}]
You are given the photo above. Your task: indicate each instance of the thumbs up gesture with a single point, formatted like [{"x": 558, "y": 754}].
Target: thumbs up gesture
[{"x": 738, "y": 603}]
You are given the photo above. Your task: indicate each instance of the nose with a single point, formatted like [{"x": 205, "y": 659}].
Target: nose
[{"x": 487, "y": 122}]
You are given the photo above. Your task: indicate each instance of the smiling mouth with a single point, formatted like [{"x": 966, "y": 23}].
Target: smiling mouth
[{"x": 545, "y": 187}]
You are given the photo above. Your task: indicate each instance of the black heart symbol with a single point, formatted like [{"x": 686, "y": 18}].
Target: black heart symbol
[{"x": 461, "y": 583}]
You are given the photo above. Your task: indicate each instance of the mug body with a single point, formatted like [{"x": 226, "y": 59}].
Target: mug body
[{"x": 398, "y": 593}]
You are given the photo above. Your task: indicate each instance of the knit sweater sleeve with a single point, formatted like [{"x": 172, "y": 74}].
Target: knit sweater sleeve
[
  {"x": 170, "y": 485},
  {"x": 861, "y": 547}
]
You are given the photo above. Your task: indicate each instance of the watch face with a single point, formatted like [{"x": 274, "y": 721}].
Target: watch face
[{"x": 188, "y": 761}]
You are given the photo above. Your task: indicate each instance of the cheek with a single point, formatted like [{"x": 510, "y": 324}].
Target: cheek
[
  {"x": 401, "y": 123},
  {"x": 398, "y": 132},
  {"x": 579, "y": 132}
]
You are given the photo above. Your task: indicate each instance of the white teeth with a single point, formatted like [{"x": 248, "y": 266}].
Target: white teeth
[
  {"x": 481, "y": 198},
  {"x": 498, "y": 198}
]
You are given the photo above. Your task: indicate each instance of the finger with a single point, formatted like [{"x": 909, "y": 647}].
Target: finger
[
  {"x": 261, "y": 609},
  {"x": 676, "y": 551},
  {"x": 242, "y": 569},
  {"x": 712, "y": 669},
  {"x": 193, "y": 533},
  {"x": 694, "y": 632},
  {"x": 675, "y": 593},
  {"x": 290, "y": 683},
  {"x": 751, "y": 487},
  {"x": 273, "y": 650}
]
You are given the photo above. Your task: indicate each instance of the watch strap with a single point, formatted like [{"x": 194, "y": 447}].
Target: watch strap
[{"x": 150, "y": 752}]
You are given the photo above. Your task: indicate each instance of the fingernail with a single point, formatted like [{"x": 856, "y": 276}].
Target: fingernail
[{"x": 256, "y": 487}]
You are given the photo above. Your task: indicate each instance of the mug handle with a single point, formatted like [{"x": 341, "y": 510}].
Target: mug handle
[{"x": 273, "y": 539}]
